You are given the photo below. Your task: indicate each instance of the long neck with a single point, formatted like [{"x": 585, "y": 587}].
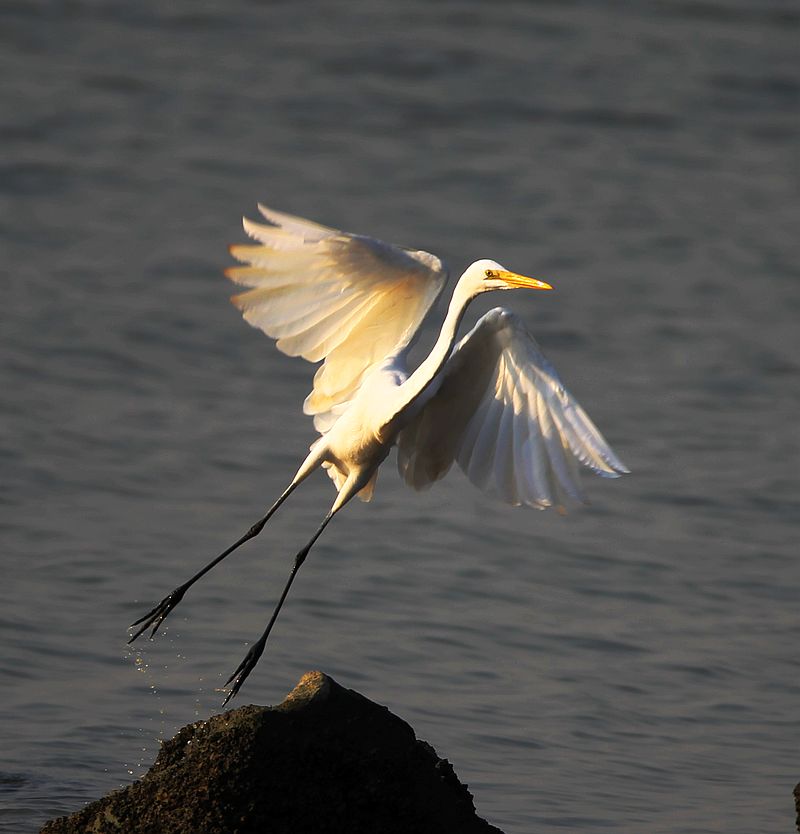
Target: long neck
[{"x": 430, "y": 367}]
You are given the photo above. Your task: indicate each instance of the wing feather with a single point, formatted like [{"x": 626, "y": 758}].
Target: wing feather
[
  {"x": 503, "y": 414},
  {"x": 504, "y": 475},
  {"x": 347, "y": 300},
  {"x": 313, "y": 314},
  {"x": 480, "y": 464},
  {"x": 537, "y": 472}
]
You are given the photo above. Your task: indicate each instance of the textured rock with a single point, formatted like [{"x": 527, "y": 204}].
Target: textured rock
[{"x": 325, "y": 760}]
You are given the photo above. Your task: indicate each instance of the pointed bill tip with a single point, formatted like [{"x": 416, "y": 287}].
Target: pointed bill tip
[{"x": 524, "y": 282}]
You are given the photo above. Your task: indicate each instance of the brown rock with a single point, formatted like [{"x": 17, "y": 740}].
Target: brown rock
[{"x": 327, "y": 760}]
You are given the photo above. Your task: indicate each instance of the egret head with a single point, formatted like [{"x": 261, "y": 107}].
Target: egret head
[{"x": 486, "y": 275}]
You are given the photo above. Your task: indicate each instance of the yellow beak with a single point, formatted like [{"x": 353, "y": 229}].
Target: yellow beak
[{"x": 514, "y": 280}]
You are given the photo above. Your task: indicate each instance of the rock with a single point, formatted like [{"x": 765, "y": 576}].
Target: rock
[
  {"x": 325, "y": 760},
  {"x": 797, "y": 805}
]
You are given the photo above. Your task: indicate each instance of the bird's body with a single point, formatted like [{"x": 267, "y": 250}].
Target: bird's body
[{"x": 492, "y": 403}]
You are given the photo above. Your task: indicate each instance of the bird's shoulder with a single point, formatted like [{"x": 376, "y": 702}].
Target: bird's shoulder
[{"x": 494, "y": 332}]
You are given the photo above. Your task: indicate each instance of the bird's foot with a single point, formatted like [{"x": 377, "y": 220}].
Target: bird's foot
[
  {"x": 158, "y": 614},
  {"x": 244, "y": 669}
]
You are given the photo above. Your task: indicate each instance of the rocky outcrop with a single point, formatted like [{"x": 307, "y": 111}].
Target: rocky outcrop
[
  {"x": 797, "y": 806},
  {"x": 325, "y": 760}
]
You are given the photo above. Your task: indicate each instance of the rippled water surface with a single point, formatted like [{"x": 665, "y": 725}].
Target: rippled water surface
[{"x": 632, "y": 667}]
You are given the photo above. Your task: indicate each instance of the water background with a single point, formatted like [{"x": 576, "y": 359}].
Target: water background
[{"x": 632, "y": 667}]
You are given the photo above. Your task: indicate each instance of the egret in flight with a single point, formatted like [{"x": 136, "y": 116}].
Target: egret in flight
[{"x": 490, "y": 402}]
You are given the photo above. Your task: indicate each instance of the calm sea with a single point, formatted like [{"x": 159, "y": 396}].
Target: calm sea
[{"x": 632, "y": 667}]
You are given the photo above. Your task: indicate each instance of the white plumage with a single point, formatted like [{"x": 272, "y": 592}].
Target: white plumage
[
  {"x": 325, "y": 295},
  {"x": 491, "y": 403},
  {"x": 503, "y": 414}
]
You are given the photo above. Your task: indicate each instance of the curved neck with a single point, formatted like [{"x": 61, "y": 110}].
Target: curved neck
[{"x": 426, "y": 373}]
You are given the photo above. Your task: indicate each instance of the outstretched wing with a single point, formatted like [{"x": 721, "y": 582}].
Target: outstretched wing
[
  {"x": 324, "y": 294},
  {"x": 503, "y": 414}
]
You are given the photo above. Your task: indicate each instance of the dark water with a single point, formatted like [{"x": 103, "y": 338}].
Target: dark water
[{"x": 630, "y": 668}]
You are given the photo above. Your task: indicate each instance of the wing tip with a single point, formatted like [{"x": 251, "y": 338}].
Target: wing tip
[
  {"x": 238, "y": 275},
  {"x": 267, "y": 214},
  {"x": 616, "y": 468},
  {"x": 259, "y": 231},
  {"x": 249, "y": 228},
  {"x": 610, "y": 473},
  {"x": 237, "y": 251}
]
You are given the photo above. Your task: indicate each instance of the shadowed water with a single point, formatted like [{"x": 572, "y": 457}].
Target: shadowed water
[{"x": 631, "y": 667}]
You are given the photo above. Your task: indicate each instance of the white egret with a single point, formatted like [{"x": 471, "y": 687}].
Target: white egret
[{"x": 492, "y": 403}]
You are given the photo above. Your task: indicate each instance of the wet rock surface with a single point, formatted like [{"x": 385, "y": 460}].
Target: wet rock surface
[{"x": 325, "y": 760}]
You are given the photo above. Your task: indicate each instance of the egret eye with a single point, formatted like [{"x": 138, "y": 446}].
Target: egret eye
[{"x": 490, "y": 273}]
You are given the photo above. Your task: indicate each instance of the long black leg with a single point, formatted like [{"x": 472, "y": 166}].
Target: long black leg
[
  {"x": 157, "y": 615},
  {"x": 256, "y": 650}
]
